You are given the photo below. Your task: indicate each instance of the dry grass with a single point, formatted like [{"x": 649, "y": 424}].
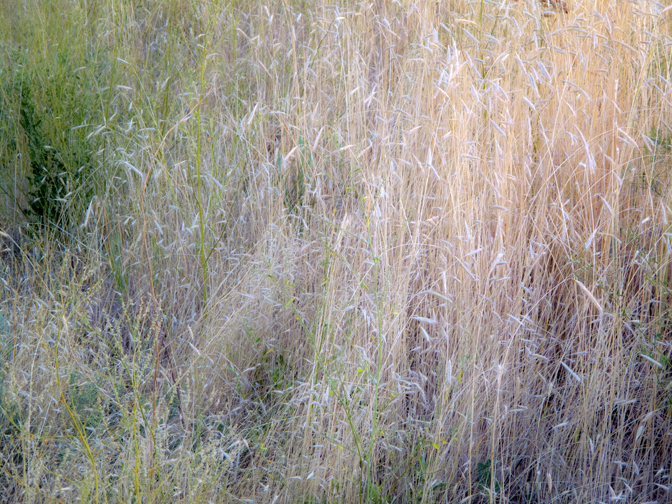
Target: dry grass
[{"x": 367, "y": 252}]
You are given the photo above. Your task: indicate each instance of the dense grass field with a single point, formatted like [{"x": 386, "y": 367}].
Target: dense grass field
[{"x": 307, "y": 252}]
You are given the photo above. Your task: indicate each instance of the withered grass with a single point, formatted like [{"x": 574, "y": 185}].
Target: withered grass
[{"x": 356, "y": 252}]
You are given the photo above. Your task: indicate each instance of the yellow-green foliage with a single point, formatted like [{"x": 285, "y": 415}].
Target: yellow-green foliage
[{"x": 354, "y": 252}]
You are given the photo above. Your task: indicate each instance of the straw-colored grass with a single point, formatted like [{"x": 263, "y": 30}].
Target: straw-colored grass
[{"x": 356, "y": 252}]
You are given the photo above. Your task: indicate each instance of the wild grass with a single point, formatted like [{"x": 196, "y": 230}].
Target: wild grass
[{"x": 355, "y": 252}]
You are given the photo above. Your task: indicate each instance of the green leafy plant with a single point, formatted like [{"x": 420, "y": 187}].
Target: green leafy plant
[
  {"x": 485, "y": 477},
  {"x": 84, "y": 401},
  {"x": 50, "y": 111},
  {"x": 48, "y": 179}
]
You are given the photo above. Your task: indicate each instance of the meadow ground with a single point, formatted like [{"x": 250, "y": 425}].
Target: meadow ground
[{"x": 301, "y": 251}]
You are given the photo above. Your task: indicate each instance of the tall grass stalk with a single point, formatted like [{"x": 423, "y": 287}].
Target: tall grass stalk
[
  {"x": 74, "y": 418},
  {"x": 201, "y": 236}
]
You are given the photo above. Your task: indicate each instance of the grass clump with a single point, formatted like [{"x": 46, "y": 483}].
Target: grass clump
[
  {"x": 50, "y": 106},
  {"x": 303, "y": 252}
]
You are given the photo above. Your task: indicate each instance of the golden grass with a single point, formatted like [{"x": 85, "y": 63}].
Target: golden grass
[{"x": 366, "y": 252}]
